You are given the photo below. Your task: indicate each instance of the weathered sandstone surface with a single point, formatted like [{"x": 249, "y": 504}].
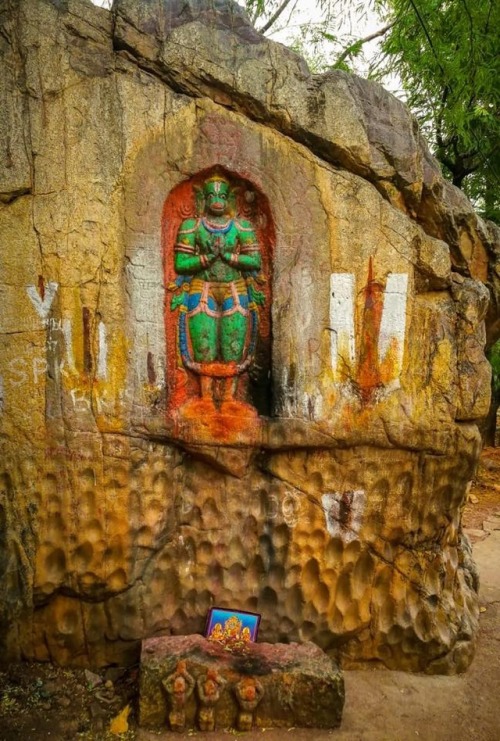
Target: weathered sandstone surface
[{"x": 336, "y": 512}]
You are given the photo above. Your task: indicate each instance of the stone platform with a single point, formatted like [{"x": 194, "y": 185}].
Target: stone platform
[{"x": 189, "y": 682}]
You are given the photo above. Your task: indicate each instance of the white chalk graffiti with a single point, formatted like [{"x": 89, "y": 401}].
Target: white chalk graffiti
[
  {"x": 42, "y": 305},
  {"x": 33, "y": 367},
  {"x": 22, "y": 369},
  {"x": 344, "y": 513},
  {"x": 287, "y": 507}
]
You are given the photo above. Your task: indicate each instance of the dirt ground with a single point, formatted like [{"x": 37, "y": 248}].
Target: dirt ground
[{"x": 40, "y": 701}]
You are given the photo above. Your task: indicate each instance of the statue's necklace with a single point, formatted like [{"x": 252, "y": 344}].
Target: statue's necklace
[{"x": 212, "y": 227}]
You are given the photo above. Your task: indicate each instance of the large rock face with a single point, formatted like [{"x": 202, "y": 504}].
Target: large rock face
[{"x": 336, "y": 511}]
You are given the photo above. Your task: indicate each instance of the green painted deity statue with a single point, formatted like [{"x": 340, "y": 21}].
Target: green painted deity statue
[{"x": 217, "y": 260}]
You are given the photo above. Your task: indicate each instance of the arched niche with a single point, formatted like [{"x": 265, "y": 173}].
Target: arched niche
[{"x": 294, "y": 229}]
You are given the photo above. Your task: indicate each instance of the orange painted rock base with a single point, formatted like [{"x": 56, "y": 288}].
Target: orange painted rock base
[{"x": 206, "y": 423}]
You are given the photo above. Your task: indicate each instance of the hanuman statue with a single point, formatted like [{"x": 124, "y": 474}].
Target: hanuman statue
[{"x": 217, "y": 260}]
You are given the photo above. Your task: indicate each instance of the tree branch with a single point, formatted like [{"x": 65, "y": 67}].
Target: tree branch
[
  {"x": 439, "y": 119},
  {"x": 274, "y": 17},
  {"x": 359, "y": 43}
]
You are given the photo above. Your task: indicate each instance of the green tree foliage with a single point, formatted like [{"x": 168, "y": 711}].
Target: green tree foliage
[
  {"x": 324, "y": 32},
  {"x": 489, "y": 431},
  {"x": 447, "y": 55},
  {"x": 494, "y": 358}
]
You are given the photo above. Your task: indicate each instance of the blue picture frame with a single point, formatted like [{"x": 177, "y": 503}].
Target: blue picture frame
[{"x": 226, "y": 626}]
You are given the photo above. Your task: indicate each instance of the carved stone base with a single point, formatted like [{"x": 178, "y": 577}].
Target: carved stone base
[
  {"x": 206, "y": 719},
  {"x": 299, "y": 685},
  {"x": 245, "y": 721}
]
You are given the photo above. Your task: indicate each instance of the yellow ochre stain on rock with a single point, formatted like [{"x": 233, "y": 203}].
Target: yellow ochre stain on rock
[{"x": 119, "y": 724}]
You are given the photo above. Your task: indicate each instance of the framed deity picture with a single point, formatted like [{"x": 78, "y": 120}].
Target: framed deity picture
[{"x": 231, "y": 627}]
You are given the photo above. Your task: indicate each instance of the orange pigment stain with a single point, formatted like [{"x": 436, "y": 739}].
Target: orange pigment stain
[
  {"x": 207, "y": 423},
  {"x": 389, "y": 365},
  {"x": 368, "y": 374},
  {"x": 347, "y": 419},
  {"x": 219, "y": 370}
]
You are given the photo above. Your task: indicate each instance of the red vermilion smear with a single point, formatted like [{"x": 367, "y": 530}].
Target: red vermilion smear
[
  {"x": 389, "y": 363},
  {"x": 41, "y": 287},
  {"x": 368, "y": 375},
  {"x": 207, "y": 425}
]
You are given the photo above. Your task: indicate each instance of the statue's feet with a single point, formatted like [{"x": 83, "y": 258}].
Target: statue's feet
[
  {"x": 177, "y": 721},
  {"x": 234, "y": 408}
]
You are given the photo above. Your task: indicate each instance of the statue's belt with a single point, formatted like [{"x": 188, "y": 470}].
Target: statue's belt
[{"x": 218, "y": 299}]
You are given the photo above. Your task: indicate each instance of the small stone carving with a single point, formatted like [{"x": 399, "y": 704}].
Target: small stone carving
[
  {"x": 209, "y": 689},
  {"x": 179, "y": 687},
  {"x": 249, "y": 692}
]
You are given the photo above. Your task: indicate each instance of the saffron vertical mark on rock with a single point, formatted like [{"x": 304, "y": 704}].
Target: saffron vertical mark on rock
[
  {"x": 41, "y": 287},
  {"x": 344, "y": 513},
  {"x": 368, "y": 373}
]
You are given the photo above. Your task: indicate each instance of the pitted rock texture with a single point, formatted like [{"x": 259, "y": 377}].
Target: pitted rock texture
[
  {"x": 302, "y": 686},
  {"x": 338, "y": 516}
]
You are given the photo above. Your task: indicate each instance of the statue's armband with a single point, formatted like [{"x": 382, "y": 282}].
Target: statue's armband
[{"x": 187, "y": 260}]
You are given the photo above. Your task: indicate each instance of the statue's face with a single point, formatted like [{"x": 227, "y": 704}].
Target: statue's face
[
  {"x": 210, "y": 687},
  {"x": 179, "y": 684},
  {"x": 249, "y": 692},
  {"x": 216, "y": 196}
]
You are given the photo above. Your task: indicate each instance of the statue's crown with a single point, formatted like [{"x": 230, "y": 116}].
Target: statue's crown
[{"x": 217, "y": 177}]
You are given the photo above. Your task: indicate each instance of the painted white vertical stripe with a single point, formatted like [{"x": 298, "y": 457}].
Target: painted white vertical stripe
[
  {"x": 342, "y": 318},
  {"x": 146, "y": 290},
  {"x": 393, "y": 322},
  {"x": 68, "y": 341},
  {"x": 102, "y": 358}
]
